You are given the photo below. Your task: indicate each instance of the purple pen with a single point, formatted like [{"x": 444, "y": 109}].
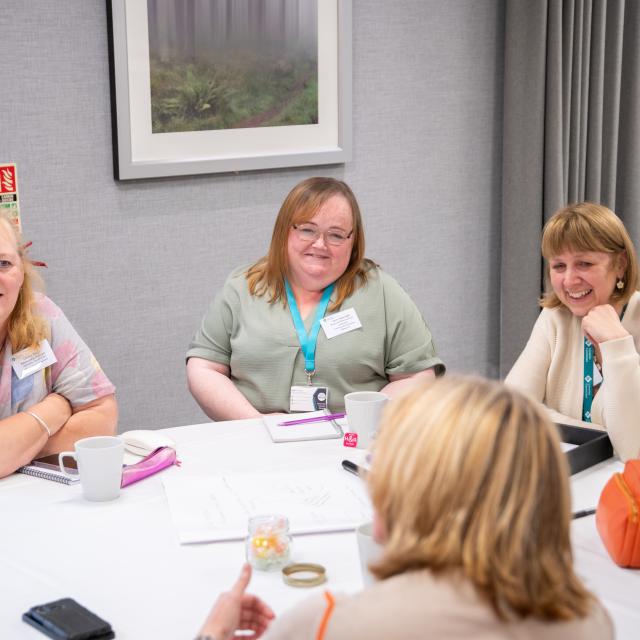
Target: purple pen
[{"x": 331, "y": 416}]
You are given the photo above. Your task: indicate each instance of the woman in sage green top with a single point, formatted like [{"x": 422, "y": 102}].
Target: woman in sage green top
[{"x": 261, "y": 336}]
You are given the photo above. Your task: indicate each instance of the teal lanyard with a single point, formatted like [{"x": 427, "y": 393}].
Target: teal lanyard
[
  {"x": 587, "y": 396},
  {"x": 587, "y": 381},
  {"x": 308, "y": 341}
]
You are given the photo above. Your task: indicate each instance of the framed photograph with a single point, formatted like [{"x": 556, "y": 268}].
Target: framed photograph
[{"x": 211, "y": 86}]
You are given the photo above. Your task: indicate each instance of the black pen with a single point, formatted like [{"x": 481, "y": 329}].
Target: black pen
[
  {"x": 583, "y": 513},
  {"x": 352, "y": 467}
]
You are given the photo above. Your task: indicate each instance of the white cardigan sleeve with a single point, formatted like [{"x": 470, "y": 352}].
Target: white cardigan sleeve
[
  {"x": 621, "y": 389},
  {"x": 529, "y": 373}
]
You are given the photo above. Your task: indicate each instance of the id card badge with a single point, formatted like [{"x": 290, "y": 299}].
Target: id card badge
[
  {"x": 308, "y": 398},
  {"x": 31, "y": 360}
]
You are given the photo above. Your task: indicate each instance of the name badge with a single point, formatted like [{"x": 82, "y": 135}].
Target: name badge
[
  {"x": 308, "y": 398},
  {"x": 341, "y": 322},
  {"x": 31, "y": 360},
  {"x": 597, "y": 376}
]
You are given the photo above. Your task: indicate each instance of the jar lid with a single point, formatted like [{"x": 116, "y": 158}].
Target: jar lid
[{"x": 319, "y": 574}]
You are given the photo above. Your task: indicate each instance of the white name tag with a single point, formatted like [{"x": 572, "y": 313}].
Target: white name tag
[
  {"x": 308, "y": 398},
  {"x": 30, "y": 361},
  {"x": 597, "y": 376},
  {"x": 342, "y": 322}
]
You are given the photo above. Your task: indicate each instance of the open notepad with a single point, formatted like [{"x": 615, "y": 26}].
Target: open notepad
[
  {"x": 48, "y": 469},
  {"x": 295, "y": 432}
]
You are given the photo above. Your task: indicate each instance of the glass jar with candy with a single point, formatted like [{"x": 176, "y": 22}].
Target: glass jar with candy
[{"x": 268, "y": 543}]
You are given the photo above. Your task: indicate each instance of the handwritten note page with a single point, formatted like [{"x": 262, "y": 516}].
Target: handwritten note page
[{"x": 211, "y": 508}]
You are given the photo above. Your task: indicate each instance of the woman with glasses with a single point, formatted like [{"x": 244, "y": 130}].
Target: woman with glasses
[
  {"x": 474, "y": 522},
  {"x": 309, "y": 322}
]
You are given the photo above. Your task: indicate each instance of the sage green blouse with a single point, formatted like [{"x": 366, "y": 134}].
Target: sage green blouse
[{"x": 258, "y": 342}]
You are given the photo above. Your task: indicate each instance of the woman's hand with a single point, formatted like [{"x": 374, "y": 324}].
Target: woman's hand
[
  {"x": 96, "y": 418},
  {"x": 602, "y": 324},
  {"x": 55, "y": 409},
  {"x": 401, "y": 382},
  {"x": 236, "y": 610},
  {"x": 22, "y": 437},
  {"x": 217, "y": 395}
]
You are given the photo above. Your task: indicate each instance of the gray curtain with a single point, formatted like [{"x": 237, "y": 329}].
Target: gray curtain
[{"x": 571, "y": 132}]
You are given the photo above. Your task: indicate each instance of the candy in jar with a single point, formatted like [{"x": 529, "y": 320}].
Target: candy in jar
[{"x": 268, "y": 543}]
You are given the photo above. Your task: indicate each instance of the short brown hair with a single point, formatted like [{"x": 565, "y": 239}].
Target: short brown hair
[
  {"x": 587, "y": 226},
  {"x": 26, "y": 327},
  {"x": 267, "y": 276},
  {"x": 468, "y": 476}
]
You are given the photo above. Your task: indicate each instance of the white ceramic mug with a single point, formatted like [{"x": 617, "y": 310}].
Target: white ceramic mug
[
  {"x": 364, "y": 409},
  {"x": 370, "y": 551},
  {"x": 99, "y": 464}
]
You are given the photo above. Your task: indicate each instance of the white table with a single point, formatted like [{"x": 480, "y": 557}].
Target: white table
[{"x": 123, "y": 561}]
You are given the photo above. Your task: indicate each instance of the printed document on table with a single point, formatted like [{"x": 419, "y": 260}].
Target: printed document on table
[{"x": 211, "y": 508}]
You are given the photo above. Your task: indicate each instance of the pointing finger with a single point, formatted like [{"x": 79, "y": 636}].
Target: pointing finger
[{"x": 242, "y": 582}]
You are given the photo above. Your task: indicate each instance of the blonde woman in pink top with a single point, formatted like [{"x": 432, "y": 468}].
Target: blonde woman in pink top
[{"x": 44, "y": 408}]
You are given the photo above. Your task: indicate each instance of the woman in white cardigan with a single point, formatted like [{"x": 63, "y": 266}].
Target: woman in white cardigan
[{"x": 582, "y": 357}]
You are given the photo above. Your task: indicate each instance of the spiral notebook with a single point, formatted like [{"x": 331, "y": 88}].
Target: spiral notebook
[
  {"x": 47, "y": 468},
  {"x": 307, "y": 431}
]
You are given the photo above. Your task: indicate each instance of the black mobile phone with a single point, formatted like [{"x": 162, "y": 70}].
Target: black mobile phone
[
  {"x": 51, "y": 462},
  {"x": 65, "y": 619}
]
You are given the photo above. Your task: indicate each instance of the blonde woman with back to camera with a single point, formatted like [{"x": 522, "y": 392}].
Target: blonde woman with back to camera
[
  {"x": 582, "y": 357},
  {"x": 470, "y": 491}
]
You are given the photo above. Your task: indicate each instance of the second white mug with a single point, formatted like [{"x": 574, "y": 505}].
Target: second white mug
[
  {"x": 363, "y": 409},
  {"x": 99, "y": 461},
  {"x": 370, "y": 551}
]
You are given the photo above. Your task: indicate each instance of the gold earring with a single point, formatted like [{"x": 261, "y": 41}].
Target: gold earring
[{"x": 620, "y": 284}]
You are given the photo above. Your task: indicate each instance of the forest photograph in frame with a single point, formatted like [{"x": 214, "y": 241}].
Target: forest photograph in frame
[
  {"x": 206, "y": 86},
  {"x": 232, "y": 65}
]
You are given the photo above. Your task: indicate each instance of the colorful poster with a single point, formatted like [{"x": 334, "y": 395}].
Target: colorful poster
[{"x": 9, "y": 193}]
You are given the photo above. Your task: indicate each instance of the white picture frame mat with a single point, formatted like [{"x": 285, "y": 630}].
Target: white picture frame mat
[{"x": 228, "y": 143}]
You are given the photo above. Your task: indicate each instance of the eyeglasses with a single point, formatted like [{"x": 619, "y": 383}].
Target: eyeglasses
[{"x": 309, "y": 233}]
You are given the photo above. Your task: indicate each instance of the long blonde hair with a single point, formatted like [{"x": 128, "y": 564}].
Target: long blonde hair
[
  {"x": 267, "y": 275},
  {"x": 468, "y": 476},
  {"x": 26, "y": 327},
  {"x": 587, "y": 226}
]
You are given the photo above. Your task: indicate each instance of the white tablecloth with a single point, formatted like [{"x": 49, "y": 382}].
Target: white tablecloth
[{"x": 122, "y": 559}]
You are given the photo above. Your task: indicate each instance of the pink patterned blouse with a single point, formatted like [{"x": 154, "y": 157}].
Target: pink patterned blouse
[{"x": 76, "y": 375}]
